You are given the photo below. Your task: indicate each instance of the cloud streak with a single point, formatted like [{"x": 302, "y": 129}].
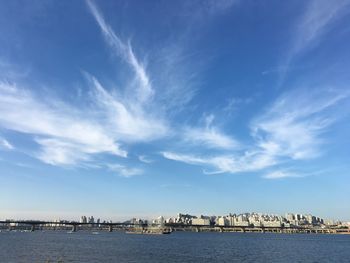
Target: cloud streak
[
  {"x": 279, "y": 175},
  {"x": 125, "y": 51},
  {"x": 68, "y": 135},
  {"x": 124, "y": 171},
  {"x": 145, "y": 159},
  {"x": 5, "y": 144},
  {"x": 63, "y": 132},
  {"x": 224, "y": 163},
  {"x": 126, "y": 121},
  {"x": 318, "y": 19},
  {"x": 209, "y": 136},
  {"x": 290, "y": 130},
  {"x": 293, "y": 126},
  {"x": 113, "y": 122}
]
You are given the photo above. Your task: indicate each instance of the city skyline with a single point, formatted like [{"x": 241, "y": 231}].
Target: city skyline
[
  {"x": 185, "y": 218},
  {"x": 127, "y": 109},
  {"x": 167, "y": 218}
]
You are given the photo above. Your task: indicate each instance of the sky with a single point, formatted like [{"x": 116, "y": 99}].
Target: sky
[{"x": 121, "y": 109}]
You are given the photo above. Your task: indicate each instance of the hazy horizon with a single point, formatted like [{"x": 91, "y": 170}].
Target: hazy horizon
[{"x": 122, "y": 109}]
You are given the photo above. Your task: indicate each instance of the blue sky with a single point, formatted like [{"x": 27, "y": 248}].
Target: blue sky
[{"x": 121, "y": 108}]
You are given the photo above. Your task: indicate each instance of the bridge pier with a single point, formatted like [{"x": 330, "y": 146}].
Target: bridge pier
[
  {"x": 110, "y": 228},
  {"x": 74, "y": 228},
  {"x": 32, "y": 228}
]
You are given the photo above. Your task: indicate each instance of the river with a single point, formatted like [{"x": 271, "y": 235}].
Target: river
[{"x": 83, "y": 246}]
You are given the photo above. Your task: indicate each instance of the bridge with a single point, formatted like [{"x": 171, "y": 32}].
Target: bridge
[{"x": 36, "y": 224}]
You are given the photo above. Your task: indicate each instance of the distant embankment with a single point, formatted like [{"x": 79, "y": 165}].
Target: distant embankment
[{"x": 76, "y": 226}]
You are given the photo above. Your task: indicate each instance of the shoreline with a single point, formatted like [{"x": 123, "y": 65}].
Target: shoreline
[{"x": 187, "y": 229}]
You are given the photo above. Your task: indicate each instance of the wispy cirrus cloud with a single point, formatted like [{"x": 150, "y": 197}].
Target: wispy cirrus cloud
[
  {"x": 68, "y": 135},
  {"x": 178, "y": 67},
  {"x": 279, "y": 175},
  {"x": 63, "y": 132},
  {"x": 227, "y": 163},
  {"x": 126, "y": 121},
  {"x": 209, "y": 136},
  {"x": 145, "y": 159},
  {"x": 124, "y": 171},
  {"x": 5, "y": 144},
  {"x": 291, "y": 173},
  {"x": 290, "y": 130},
  {"x": 144, "y": 90},
  {"x": 178, "y": 92},
  {"x": 61, "y": 152},
  {"x": 293, "y": 126},
  {"x": 317, "y": 20},
  {"x": 112, "y": 121},
  {"x": 137, "y": 115},
  {"x": 172, "y": 84}
]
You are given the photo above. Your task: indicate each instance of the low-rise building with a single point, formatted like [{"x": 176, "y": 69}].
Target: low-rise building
[
  {"x": 201, "y": 221},
  {"x": 222, "y": 221},
  {"x": 272, "y": 223}
]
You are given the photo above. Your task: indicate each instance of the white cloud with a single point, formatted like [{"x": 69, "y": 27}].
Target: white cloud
[
  {"x": 127, "y": 121},
  {"x": 124, "y": 171},
  {"x": 68, "y": 135},
  {"x": 174, "y": 78},
  {"x": 294, "y": 124},
  {"x": 63, "y": 132},
  {"x": 71, "y": 135},
  {"x": 61, "y": 152},
  {"x": 209, "y": 136},
  {"x": 5, "y": 144},
  {"x": 318, "y": 19},
  {"x": 135, "y": 117},
  {"x": 279, "y": 175},
  {"x": 183, "y": 158},
  {"x": 249, "y": 161},
  {"x": 290, "y": 130},
  {"x": 287, "y": 173},
  {"x": 145, "y": 90},
  {"x": 172, "y": 74},
  {"x": 145, "y": 159}
]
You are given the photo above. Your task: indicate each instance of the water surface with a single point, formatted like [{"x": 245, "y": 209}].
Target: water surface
[{"x": 56, "y": 246}]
